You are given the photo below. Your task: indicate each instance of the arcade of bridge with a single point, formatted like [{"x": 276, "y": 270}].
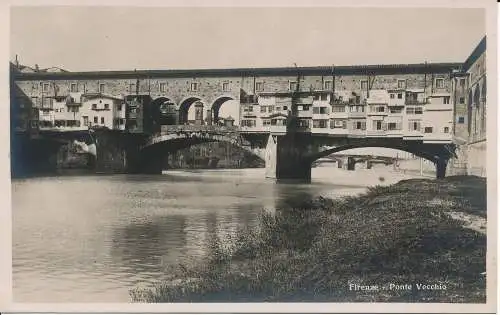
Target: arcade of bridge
[{"x": 209, "y": 113}]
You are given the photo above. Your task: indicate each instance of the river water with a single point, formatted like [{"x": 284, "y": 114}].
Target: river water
[{"x": 93, "y": 238}]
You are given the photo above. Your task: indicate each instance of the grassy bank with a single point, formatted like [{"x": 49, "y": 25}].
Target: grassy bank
[{"x": 320, "y": 250}]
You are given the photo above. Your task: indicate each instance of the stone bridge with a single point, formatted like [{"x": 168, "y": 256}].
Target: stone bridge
[{"x": 289, "y": 155}]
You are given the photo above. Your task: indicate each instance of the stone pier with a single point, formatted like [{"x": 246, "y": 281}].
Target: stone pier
[{"x": 285, "y": 157}]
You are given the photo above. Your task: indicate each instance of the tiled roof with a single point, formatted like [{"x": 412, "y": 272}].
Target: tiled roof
[{"x": 240, "y": 72}]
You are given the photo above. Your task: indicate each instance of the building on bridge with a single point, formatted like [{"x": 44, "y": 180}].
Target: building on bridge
[{"x": 433, "y": 103}]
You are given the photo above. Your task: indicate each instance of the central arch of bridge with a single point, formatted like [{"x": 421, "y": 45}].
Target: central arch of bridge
[{"x": 153, "y": 154}]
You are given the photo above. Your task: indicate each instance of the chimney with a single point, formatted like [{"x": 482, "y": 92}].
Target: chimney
[
  {"x": 36, "y": 67},
  {"x": 17, "y": 62}
]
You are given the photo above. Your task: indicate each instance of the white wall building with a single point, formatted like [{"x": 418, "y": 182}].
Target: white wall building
[{"x": 100, "y": 110}]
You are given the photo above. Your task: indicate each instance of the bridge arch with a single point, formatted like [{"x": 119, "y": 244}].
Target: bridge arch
[
  {"x": 184, "y": 106},
  {"x": 183, "y": 139},
  {"x": 433, "y": 157},
  {"x": 165, "y": 108},
  {"x": 216, "y": 105}
]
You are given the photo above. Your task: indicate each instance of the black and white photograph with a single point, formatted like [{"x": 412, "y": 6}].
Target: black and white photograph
[{"x": 253, "y": 154}]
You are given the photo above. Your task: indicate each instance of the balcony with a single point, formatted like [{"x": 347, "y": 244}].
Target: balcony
[
  {"x": 357, "y": 114},
  {"x": 415, "y": 102}
]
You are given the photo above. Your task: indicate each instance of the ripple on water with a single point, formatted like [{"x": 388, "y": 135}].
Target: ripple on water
[{"x": 93, "y": 238}]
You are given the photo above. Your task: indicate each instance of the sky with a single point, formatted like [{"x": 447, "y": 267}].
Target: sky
[{"x": 125, "y": 38}]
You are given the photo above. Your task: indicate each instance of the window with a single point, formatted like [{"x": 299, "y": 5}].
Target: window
[
  {"x": 45, "y": 87},
  {"x": 102, "y": 120},
  {"x": 359, "y": 125},
  {"x": 428, "y": 129},
  {"x": 96, "y": 120},
  {"x": 323, "y": 110},
  {"x": 446, "y": 129},
  {"x": 119, "y": 107},
  {"x": 315, "y": 110},
  {"x": 319, "y": 123},
  {"x": 392, "y": 95},
  {"x": 248, "y": 123},
  {"x": 338, "y": 109},
  {"x": 194, "y": 86},
  {"x": 446, "y": 100},
  {"x": 316, "y": 97},
  {"x": 357, "y": 109},
  {"x": 259, "y": 86},
  {"x": 439, "y": 83},
  {"x": 85, "y": 120},
  {"x": 292, "y": 86},
  {"x": 414, "y": 125},
  {"x": 304, "y": 123},
  {"x": 338, "y": 123},
  {"x": 163, "y": 86},
  {"x": 101, "y": 88},
  {"x": 394, "y": 126},
  {"x": 74, "y": 88},
  {"x": 396, "y": 110},
  {"x": 94, "y": 106},
  {"x": 401, "y": 84},
  {"x": 461, "y": 100},
  {"x": 225, "y": 86},
  {"x": 266, "y": 122},
  {"x": 380, "y": 109},
  {"x": 106, "y": 106},
  {"x": 377, "y": 125},
  {"x": 263, "y": 109},
  {"x": 418, "y": 110},
  {"x": 324, "y": 97},
  {"x": 285, "y": 107},
  {"x": 462, "y": 82},
  {"x": 364, "y": 84},
  {"x": 461, "y": 119},
  {"x": 278, "y": 108},
  {"x": 400, "y": 95},
  {"x": 327, "y": 85}
]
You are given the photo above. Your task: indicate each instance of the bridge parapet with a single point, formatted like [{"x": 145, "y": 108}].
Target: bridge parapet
[{"x": 199, "y": 128}]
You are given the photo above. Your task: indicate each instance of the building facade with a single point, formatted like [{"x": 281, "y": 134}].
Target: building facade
[{"x": 431, "y": 102}]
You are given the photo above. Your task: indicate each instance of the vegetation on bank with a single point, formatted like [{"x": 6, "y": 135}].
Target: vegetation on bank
[{"x": 320, "y": 250}]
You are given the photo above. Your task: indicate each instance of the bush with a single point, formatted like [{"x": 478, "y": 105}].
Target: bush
[{"x": 312, "y": 252}]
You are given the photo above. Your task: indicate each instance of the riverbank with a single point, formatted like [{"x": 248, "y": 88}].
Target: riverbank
[{"x": 408, "y": 242}]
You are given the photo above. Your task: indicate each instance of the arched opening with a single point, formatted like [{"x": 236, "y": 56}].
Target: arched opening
[
  {"x": 187, "y": 116},
  {"x": 202, "y": 151},
  {"x": 476, "y": 108},
  {"x": 405, "y": 158},
  {"x": 483, "y": 107},
  {"x": 469, "y": 112},
  {"x": 165, "y": 109},
  {"x": 216, "y": 117},
  {"x": 476, "y": 96}
]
